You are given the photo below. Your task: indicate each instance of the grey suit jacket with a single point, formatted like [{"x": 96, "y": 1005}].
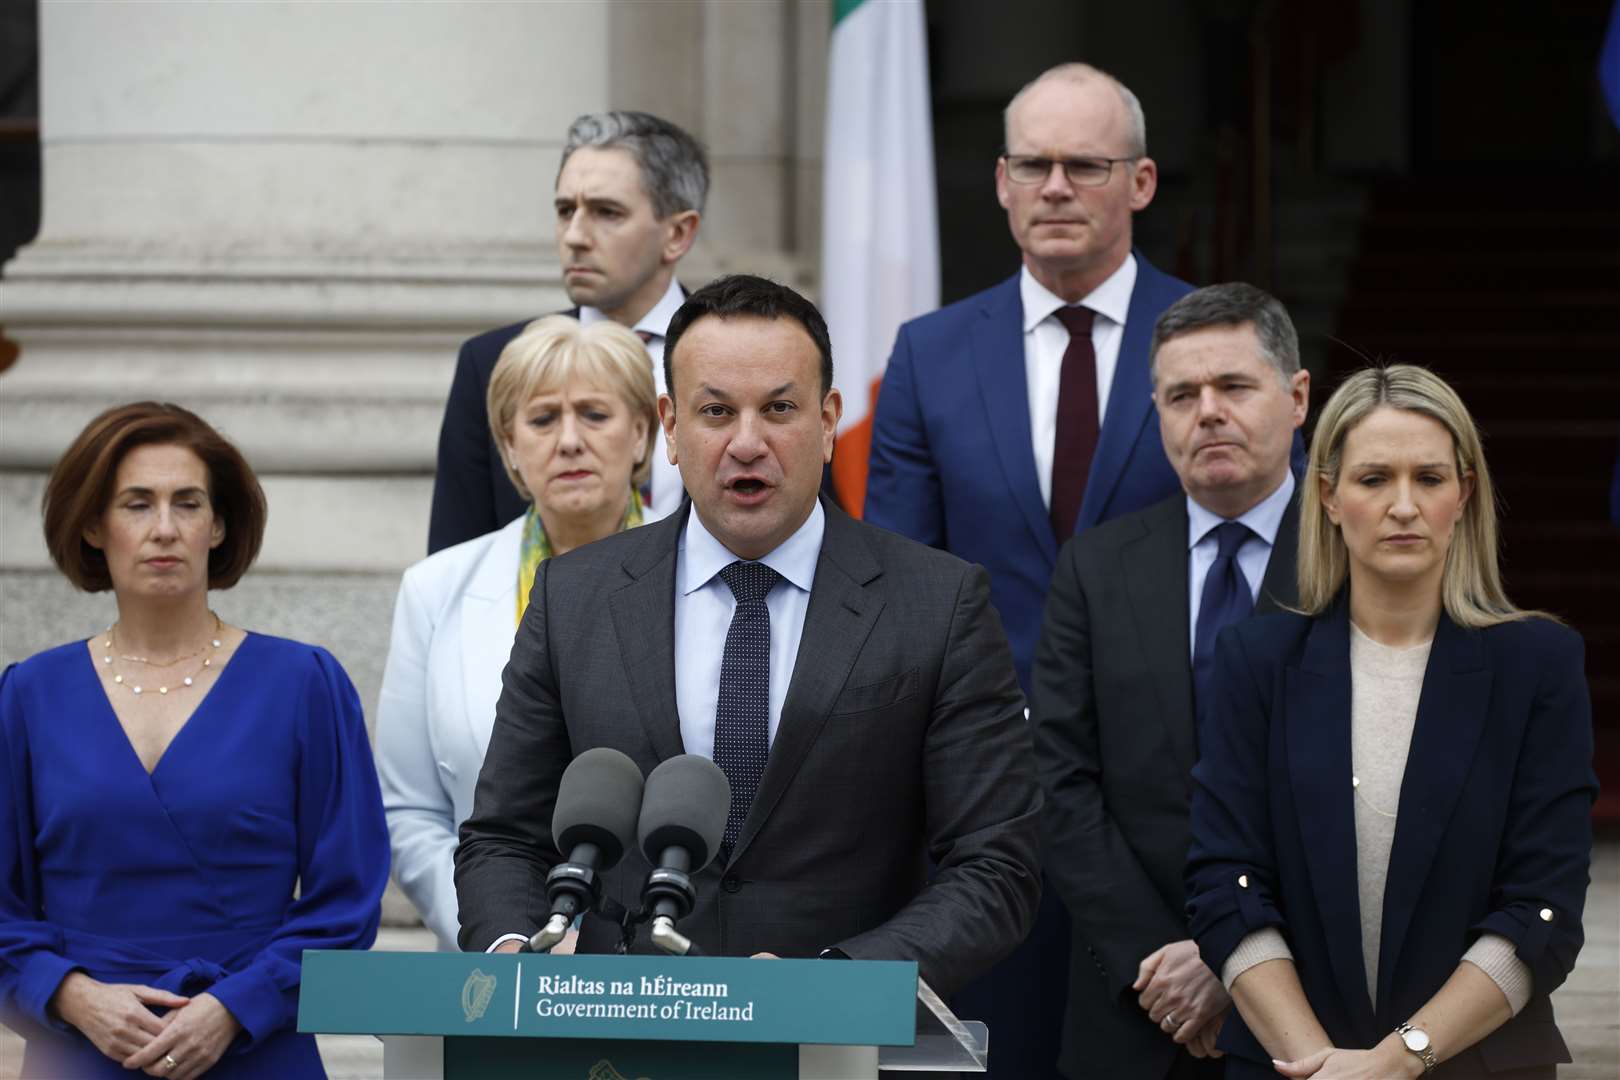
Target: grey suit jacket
[
  {"x": 1115, "y": 736},
  {"x": 901, "y": 742}
]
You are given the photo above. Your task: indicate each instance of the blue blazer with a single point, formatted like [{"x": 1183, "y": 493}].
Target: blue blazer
[
  {"x": 953, "y": 463},
  {"x": 1494, "y": 833}
]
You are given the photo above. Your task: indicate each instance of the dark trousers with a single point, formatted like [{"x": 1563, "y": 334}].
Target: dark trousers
[
  {"x": 1187, "y": 1067},
  {"x": 1023, "y": 998}
]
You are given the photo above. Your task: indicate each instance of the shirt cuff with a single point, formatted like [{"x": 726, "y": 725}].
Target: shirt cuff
[
  {"x": 504, "y": 938},
  {"x": 1262, "y": 945},
  {"x": 1495, "y": 956}
]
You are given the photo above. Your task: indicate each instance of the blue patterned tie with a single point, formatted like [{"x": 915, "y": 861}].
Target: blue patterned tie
[
  {"x": 1226, "y": 599},
  {"x": 742, "y": 713}
]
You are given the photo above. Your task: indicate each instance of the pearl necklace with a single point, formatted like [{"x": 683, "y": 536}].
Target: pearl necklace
[{"x": 136, "y": 689}]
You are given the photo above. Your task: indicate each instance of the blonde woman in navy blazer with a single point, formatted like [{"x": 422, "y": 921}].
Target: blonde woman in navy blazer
[
  {"x": 573, "y": 410},
  {"x": 1487, "y": 868}
]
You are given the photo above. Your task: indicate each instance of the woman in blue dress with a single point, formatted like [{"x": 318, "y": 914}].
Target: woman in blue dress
[{"x": 186, "y": 806}]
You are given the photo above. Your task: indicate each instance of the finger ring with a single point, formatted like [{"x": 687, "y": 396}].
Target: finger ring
[
  {"x": 168, "y": 1059},
  {"x": 1170, "y": 1019}
]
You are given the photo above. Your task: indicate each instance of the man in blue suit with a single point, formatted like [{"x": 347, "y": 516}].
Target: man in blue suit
[
  {"x": 999, "y": 432},
  {"x": 1010, "y": 420}
]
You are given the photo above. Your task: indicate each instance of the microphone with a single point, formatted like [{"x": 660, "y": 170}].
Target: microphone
[
  {"x": 594, "y": 823},
  {"x": 683, "y": 818}
]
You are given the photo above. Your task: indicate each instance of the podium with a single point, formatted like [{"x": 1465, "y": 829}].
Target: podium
[{"x": 491, "y": 1016}]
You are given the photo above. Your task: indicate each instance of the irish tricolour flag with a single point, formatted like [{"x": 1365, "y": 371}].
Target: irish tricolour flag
[{"x": 880, "y": 239}]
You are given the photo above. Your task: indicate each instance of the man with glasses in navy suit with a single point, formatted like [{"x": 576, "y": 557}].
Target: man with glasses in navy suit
[{"x": 1013, "y": 419}]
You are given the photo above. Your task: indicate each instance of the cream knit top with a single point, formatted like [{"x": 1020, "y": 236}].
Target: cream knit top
[{"x": 1385, "y": 685}]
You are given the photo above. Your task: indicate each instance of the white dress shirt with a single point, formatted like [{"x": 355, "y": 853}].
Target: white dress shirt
[
  {"x": 666, "y": 478},
  {"x": 1045, "y": 341},
  {"x": 1263, "y": 519},
  {"x": 703, "y": 609}
]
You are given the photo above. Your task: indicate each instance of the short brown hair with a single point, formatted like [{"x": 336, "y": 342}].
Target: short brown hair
[{"x": 81, "y": 486}]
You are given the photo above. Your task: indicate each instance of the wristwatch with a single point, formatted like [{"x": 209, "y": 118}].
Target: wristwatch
[{"x": 1416, "y": 1040}]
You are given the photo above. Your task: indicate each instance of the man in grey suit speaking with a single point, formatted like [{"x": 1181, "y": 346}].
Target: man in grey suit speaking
[{"x": 855, "y": 687}]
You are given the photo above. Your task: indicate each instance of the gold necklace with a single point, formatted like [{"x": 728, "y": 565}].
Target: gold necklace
[
  {"x": 167, "y": 663},
  {"x": 188, "y": 680},
  {"x": 1355, "y": 785}
]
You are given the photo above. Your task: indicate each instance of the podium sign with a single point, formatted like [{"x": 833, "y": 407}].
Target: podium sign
[{"x": 600, "y": 1015}]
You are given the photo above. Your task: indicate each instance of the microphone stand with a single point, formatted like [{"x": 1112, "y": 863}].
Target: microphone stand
[{"x": 667, "y": 896}]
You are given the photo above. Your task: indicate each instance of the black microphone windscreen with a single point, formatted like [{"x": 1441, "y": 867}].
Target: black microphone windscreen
[
  {"x": 685, "y": 805},
  {"x": 597, "y": 803}
]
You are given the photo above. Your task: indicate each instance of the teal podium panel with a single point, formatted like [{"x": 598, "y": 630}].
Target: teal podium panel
[
  {"x": 611, "y": 1017},
  {"x": 589, "y": 1059}
]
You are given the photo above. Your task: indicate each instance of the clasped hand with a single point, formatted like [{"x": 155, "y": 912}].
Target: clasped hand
[
  {"x": 117, "y": 1020},
  {"x": 1182, "y": 996},
  {"x": 1382, "y": 1062}
]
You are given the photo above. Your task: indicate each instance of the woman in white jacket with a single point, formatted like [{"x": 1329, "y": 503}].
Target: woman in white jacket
[{"x": 573, "y": 412}]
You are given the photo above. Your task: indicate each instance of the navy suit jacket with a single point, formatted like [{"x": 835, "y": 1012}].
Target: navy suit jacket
[
  {"x": 472, "y": 495},
  {"x": 953, "y": 463},
  {"x": 1494, "y": 833}
]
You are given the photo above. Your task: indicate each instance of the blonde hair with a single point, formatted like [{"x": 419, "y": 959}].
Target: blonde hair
[
  {"x": 1471, "y": 583},
  {"x": 552, "y": 350}
]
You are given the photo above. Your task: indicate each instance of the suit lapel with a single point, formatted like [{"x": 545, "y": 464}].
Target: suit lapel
[
  {"x": 837, "y": 622},
  {"x": 1317, "y": 708},
  {"x": 1130, "y": 401},
  {"x": 998, "y": 356},
  {"x": 644, "y": 621},
  {"x": 1154, "y": 568},
  {"x": 1451, "y": 716},
  {"x": 1279, "y": 588},
  {"x": 488, "y": 624}
]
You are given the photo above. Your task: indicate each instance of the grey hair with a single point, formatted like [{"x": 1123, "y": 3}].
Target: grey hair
[
  {"x": 1136, "y": 119},
  {"x": 674, "y": 165},
  {"x": 1233, "y": 303}
]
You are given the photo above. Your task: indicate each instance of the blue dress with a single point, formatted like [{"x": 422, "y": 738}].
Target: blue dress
[{"x": 184, "y": 879}]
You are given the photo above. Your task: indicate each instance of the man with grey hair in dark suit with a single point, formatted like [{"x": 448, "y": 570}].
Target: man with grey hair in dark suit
[
  {"x": 629, "y": 198},
  {"x": 1122, "y": 666},
  {"x": 856, "y": 688}
]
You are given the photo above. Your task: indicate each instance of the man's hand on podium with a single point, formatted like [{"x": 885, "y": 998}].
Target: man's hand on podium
[{"x": 565, "y": 947}]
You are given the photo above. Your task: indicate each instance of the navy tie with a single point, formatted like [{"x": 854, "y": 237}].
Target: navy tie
[
  {"x": 1226, "y": 599},
  {"x": 742, "y": 715}
]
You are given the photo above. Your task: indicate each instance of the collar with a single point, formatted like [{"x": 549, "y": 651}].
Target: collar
[
  {"x": 794, "y": 558},
  {"x": 1264, "y": 518},
  {"x": 656, "y": 321},
  {"x": 1111, "y": 299}
]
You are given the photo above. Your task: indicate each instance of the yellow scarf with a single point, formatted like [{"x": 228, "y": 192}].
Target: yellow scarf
[{"x": 537, "y": 547}]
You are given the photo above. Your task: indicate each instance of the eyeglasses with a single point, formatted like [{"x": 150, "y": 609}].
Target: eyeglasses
[{"x": 1082, "y": 172}]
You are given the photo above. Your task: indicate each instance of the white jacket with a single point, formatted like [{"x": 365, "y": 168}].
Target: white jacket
[{"x": 454, "y": 623}]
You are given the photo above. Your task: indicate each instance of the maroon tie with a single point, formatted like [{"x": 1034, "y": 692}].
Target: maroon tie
[
  {"x": 1076, "y": 440},
  {"x": 646, "y": 336}
]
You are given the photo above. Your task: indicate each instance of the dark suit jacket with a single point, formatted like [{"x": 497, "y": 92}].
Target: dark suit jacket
[
  {"x": 472, "y": 495},
  {"x": 901, "y": 742},
  {"x": 1115, "y": 744},
  {"x": 953, "y": 463},
  {"x": 1494, "y": 825}
]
